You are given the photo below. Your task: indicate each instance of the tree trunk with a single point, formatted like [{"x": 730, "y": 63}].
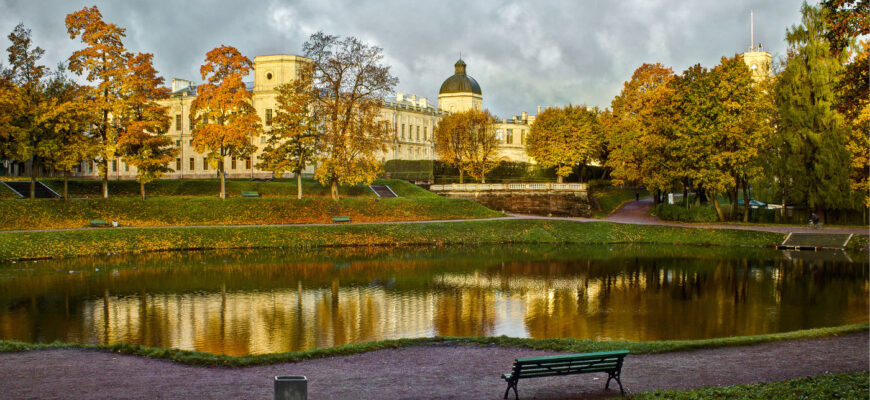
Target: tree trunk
[
  {"x": 745, "y": 200},
  {"x": 558, "y": 178},
  {"x": 299, "y": 184},
  {"x": 142, "y": 189},
  {"x": 105, "y": 179},
  {"x": 733, "y": 195},
  {"x": 65, "y": 186},
  {"x": 223, "y": 181},
  {"x": 656, "y": 198},
  {"x": 33, "y": 178},
  {"x": 718, "y": 209},
  {"x": 334, "y": 189},
  {"x": 461, "y": 176}
]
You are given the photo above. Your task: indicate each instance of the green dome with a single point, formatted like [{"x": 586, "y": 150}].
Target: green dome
[{"x": 460, "y": 82}]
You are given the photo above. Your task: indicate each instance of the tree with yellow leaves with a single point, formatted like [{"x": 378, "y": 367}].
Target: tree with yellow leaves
[
  {"x": 293, "y": 136},
  {"x": 224, "y": 118},
  {"x": 563, "y": 138},
  {"x": 350, "y": 84},
  {"x": 468, "y": 141}
]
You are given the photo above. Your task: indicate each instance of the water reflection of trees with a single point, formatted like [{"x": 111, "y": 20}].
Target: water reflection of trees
[{"x": 239, "y": 308}]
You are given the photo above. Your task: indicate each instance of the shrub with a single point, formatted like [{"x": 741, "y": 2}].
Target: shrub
[{"x": 674, "y": 212}]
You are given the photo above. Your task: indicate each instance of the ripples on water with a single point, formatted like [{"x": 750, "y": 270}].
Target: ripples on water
[{"x": 267, "y": 301}]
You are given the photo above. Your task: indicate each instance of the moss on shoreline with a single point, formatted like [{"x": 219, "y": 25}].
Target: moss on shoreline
[
  {"x": 562, "y": 345},
  {"x": 50, "y": 244}
]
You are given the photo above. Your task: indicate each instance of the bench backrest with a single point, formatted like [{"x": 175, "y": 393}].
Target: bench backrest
[{"x": 530, "y": 367}]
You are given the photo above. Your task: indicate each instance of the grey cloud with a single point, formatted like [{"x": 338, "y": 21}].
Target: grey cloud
[{"x": 523, "y": 53}]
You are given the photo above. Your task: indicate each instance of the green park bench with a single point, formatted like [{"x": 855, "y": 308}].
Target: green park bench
[
  {"x": 98, "y": 222},
  {"x": 571, "y": 364},
  {"x": 250, "y": 194},
  {"x": 340, "y": 219}
]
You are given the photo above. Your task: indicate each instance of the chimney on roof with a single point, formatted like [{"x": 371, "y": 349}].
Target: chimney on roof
[
  {"x": 525, "y": 116},
  {"x": 539, "y": 109}
]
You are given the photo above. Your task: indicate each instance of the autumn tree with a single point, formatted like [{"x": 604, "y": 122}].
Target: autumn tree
[
  {"x": 104, "y": 60},
  {"x": 450, "y": 141},
  {"x": 721, "y": 127},
  {"x": 808, "y": 121},
  {"x": 70, "y": 124},
  {"x": 637, "y": 135},
  {"x": 223, "y": 116},
  {"x": 848, "y": 21},
  {"x": 143, "y": 122},
  {"x": 563, "y": 138},
  {"x": 350, "y": 83},
  {"x": 482, "y": 144},
  {"x": 26, "y": 103},
  {"x": 293, "y": 136}
]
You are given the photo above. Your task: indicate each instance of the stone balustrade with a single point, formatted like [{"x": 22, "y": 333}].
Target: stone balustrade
[{"x": 513, "y": 187}]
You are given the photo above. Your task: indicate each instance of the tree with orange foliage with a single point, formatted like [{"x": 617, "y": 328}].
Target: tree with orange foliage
[
  {"x": 143, "y": 122},
  {"x": 351, "y": 84},
  {"x": 637, "y": 133},
  {"x": 224, "y": 117},
  {"x": 104, "y": 58}
]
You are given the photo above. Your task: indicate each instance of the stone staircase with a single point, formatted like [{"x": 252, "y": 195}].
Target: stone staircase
[
  {"x": 383, "y": 191},
  {"x": 22, "y": 188}
]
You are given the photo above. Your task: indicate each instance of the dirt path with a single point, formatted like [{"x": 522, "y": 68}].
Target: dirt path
[{"x": 446, "y": 372}]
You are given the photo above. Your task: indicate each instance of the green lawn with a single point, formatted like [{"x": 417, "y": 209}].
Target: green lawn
[
  {"x": 829, "y": 386},
  {"x": 18, "y": 245}
]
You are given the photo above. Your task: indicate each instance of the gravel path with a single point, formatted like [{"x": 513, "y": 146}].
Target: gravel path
[{"x": 432, "y": 372}]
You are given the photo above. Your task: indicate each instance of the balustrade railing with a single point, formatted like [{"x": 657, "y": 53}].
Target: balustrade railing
[{"x": 478, "y": 187}]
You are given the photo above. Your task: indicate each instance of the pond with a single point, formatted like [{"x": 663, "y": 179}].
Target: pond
[{"x": 266, "y": 301}]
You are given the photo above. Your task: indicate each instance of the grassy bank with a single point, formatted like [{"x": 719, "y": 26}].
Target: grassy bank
[
  {"x": 162, "y": 211},
  {"x": 562, "y": 345},
  {"x": 21, "y": 245},
  {"x": 852, "y": 385},
  {"x": 208, "y": 187}
]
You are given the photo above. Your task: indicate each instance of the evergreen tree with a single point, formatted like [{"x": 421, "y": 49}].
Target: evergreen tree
[{"x": 814, "y": 132}]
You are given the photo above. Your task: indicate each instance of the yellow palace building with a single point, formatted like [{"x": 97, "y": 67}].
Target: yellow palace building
[{"x": 413, "y": 118}]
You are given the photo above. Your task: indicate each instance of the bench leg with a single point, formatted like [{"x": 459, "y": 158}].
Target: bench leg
[
  {"x": 512, "y": 384},
  {"x": 614, "y": 375}
]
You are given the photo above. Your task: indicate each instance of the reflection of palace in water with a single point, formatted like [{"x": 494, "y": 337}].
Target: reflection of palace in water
[{"x": 254, "y": 309}]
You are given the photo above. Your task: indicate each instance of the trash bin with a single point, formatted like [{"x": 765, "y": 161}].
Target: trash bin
[{"x": 292, "y": 387}]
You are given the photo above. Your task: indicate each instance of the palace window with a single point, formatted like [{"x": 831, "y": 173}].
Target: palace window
[
  {"x": 114, "y": 165},
  {"x": 177, "y": 143},
  {"x": 510, "y": 136},
  {"x": 192, "y": 164},
  {"x": 248, "y": 163},
  {"x": 424, "y": 133},
  {"x": 205, "y": 164},
  {"x": 177, "y": 122},
  {"x": 177, "y": 164},
  {"x": 126, "y": 167},
  {"x": 268, "y": 117},
  {"x": 523, "y": 137},
  {"x": 418, "y": 133},
  {"x": 403, "y": 131},
  {"x": 233, "y": 163}
]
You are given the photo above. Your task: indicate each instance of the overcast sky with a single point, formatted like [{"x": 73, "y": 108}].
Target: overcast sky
[{"x": 523, "y": 53}]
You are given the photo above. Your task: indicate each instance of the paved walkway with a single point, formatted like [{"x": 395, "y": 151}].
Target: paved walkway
[{"x": 427, "y": 372}]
